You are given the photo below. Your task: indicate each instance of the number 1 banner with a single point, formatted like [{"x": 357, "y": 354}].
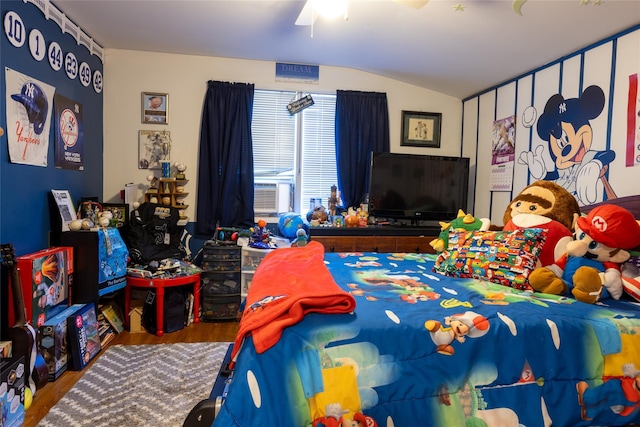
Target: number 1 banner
[{"x": 29, "y": 104}]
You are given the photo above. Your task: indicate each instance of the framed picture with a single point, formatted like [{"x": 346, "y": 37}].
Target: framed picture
[
  {"x": 421, "y": 129},
  {"x": 155, "y": 108},
  {"x": 66, "y": 210},
  {"x": 153, "y": 147},
  {"x": 120, "y": 213}
]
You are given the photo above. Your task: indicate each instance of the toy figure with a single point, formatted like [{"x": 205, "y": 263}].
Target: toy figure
[
  {"x": 463, "y": 222},
  {"x": 333, "y": 200},
  {"x": 335, "y": 418},
  {"x": 260, "y": 237},
  {"x": 361, "y": 420},
  {"x": 545, "y": 204},
  {"x": 318, "y": 214},
  {"x": 180, "y": 168},
  {"x": 590, "y": 269},
  {"x": 301, "y": 238}
]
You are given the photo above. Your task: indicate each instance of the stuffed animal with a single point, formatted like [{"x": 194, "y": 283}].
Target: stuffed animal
[
  {"x": 334, "y": 418},
  {"x": 545, "y": 204},
  {"x": 463, "y": 222},
  {"x": 590, "y": 270},
  {"x": 301, "y": 238},
  {"x": 361, "y": 420}
]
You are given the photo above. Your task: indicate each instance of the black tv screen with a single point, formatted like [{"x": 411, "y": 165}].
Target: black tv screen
[{"x": 418, "y": 187}]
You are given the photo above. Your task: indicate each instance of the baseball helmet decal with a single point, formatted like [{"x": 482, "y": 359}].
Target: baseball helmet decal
[{"x": 35, "y": 102}]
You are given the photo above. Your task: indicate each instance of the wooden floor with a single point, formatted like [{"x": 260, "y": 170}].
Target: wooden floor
[{"x": 202, "y": 332}]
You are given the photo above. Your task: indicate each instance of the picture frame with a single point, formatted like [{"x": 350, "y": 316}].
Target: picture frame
[
  {"x": 66, "y": 211},
  {"x": 421, "y": 129},
  {"x": 120, "y": 213},
  {"x": 155, "y": 108},
  {"x": 153, "y": 147}
]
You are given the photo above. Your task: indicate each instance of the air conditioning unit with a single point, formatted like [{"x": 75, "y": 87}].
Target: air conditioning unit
[{"x": 271, "y": 197}]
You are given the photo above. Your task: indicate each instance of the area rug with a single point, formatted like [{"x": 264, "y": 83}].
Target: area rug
[{"x": 140, "y": 385}]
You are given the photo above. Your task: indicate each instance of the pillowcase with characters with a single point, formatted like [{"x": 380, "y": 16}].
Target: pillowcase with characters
[{"x": 503, "y": 257}]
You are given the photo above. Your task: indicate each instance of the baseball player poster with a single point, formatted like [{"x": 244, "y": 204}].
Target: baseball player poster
[
  {"x": 69, "y": 141},
  {"x": 29, "y": 105}
]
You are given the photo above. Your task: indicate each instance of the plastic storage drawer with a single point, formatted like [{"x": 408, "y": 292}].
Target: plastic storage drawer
[
  {"x": 220, "y": 308},
  {"x": 219, "y": 283}
]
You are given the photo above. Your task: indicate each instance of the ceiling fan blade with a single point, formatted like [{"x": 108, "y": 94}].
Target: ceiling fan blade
[
  {"x": 307, "y": 16},
  {"x": 416, "y": 4}
]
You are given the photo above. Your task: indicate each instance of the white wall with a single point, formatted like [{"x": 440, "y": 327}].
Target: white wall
[
  {"x": 184, "y": 78},
  {"x": 608, "y": 65}
]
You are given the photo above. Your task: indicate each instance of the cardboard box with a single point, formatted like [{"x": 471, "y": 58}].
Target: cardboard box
[
  {"x": 53, "y": 339},
  {"x": 12, "y": 371},
  {"x": 45, "y": 277},
  {"x": 135, "y": 317}
]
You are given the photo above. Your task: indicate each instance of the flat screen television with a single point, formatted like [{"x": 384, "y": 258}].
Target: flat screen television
[{"x": 417, "y": 187}]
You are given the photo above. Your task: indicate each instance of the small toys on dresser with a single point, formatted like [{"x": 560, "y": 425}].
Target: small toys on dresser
[{"x": 260, "y": 236}]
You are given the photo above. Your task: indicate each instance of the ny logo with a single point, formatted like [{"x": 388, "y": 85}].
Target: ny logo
[
  {"x": 30, "y": 89},
  {"x": 562, "y": 107}
]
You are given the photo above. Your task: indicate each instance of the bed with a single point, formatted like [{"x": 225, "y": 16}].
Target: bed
[{"x": 402, "y": 345}]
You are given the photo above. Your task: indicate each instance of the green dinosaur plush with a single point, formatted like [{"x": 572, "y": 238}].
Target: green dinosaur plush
[{"x": 463, "y": 222}]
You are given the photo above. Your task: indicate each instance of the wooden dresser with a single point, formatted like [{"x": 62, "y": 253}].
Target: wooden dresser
[{"x": 375, "y": 238}]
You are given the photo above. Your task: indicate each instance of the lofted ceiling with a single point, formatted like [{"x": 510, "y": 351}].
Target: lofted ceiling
[{"x": 455, "y": 47}]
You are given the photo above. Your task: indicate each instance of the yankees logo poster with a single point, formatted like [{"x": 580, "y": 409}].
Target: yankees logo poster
[
  {"x": 69, "y": 139},
  {"x": 29, "y": 104}
]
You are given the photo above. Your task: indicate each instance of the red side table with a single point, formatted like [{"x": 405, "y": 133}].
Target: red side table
[{"x": 159, "y": 285}]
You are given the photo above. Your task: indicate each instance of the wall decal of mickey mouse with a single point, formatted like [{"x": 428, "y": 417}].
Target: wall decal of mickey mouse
[{"x": 566, "y": 128}]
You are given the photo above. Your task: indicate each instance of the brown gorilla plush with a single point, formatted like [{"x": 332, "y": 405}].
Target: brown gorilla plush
[
  {"x": 545, "y": 204},
  {"x": 552, "y": 201}
]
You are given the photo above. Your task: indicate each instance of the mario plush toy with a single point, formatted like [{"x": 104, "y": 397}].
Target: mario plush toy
[
  {"x": 545, "y": 204},
  {"x": 590, "y": 269}
]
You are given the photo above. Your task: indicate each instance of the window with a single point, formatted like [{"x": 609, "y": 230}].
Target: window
[{"x": 295, "y": 152}]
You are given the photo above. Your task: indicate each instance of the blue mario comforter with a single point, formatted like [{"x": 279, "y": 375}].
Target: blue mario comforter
[{"x": 429, "y": 350}]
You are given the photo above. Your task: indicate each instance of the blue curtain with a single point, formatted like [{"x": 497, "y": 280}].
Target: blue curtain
[
  {"x": 362, "y": 127},
  {"x": 225, "y": 161}
]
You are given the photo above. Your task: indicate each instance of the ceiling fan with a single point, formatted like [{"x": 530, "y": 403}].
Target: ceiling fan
[
  {"x": 314, "y": 8},
  {"x": 334, "y": 8}
]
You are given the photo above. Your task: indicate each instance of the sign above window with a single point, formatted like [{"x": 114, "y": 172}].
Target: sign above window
[{"x": 297, "y": 72}]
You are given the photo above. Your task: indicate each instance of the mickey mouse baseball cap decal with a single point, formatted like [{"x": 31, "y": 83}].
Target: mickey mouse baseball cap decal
[{"x": 35, "y": 102}]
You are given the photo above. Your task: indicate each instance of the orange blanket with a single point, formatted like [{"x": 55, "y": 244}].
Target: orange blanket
[{"x": 288, "y": 284}]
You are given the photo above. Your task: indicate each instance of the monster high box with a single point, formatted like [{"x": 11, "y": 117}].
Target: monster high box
[
  {"x": 53, "y": 341},
  {"x": 84, "y": 336},
  {"x": 45, "y": 277}
]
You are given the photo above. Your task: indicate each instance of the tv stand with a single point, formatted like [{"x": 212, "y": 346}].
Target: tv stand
[{"x": 376, "y": 238}]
